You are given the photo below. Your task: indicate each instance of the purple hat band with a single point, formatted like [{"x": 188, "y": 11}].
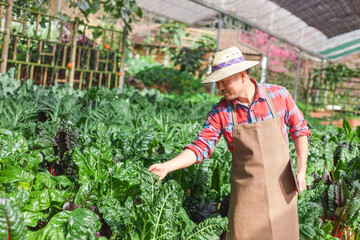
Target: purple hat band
[{"x": 228, "y": 63}]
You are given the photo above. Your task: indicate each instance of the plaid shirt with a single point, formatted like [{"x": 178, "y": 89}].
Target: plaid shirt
[{"x": 219, "y": 120}]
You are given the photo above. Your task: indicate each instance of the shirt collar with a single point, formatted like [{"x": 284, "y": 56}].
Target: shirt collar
[
  {"x": 259, "y": 94},
  {"x": 259, "y": 90}
]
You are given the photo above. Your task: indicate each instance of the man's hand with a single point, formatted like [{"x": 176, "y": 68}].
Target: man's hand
[
  {"x": 185, "y": 159},
  {"x": 301, "y": 181},
  {"x": 159, "y": 169}
]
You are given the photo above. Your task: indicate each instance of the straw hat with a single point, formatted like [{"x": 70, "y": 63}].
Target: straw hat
[{"x": 227, "y": 63}]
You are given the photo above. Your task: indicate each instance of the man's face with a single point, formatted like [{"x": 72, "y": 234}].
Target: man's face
[{"x": 231, "y": 86}]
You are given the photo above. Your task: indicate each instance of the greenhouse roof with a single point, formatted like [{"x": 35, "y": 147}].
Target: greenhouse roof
[{"x": 326, "y": 29}]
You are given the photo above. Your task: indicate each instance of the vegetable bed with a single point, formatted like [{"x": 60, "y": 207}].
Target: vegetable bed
[{"x": 74, "y": 166}]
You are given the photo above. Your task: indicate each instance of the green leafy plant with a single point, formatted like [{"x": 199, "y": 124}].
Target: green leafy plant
[
  {"x": 169, "y": 78},
  {"x": 192, "y": 59},
  {"x": 332, "y": 75}
]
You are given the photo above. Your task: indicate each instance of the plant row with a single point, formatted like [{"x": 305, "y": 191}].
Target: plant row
[{"x": 74, "y": 165}]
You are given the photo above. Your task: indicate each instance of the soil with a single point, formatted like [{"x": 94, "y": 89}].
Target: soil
[
  {"x": 339, "y": 123},
  {"x": 320, "y": 114}
]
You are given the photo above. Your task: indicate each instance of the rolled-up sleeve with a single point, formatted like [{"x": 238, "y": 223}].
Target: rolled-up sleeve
[
  {"x": 294, "y": 118},
  {"x": 205, "y": 142}
]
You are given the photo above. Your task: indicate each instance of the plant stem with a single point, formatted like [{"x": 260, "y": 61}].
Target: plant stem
[
  {"x": 338, "y": 225},
  {"x": 82, "y": 206},
  {"x": 8, "y": 225},
  {"x": 352, "y": 234}
]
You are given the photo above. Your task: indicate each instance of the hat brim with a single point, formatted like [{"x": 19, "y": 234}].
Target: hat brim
[{"x": 228, "y": 71}]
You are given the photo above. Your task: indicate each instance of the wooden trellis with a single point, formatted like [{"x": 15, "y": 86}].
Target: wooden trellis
[{"x": 56, "y": 50}]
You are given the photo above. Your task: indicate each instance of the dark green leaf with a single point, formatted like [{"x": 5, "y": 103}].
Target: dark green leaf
[
  {"x": 13, "y": 174},
  {"x": 211, "y": 228},
  {"x": 32, "y": 218},
  {"x": 39, "y": 201},
  {"x": 46, "y": 233},
  {"x": 83, "y": 224},
  {"x": 44, "y": 180}
]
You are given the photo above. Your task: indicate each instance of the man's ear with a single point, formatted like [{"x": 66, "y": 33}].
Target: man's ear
[{"x": 242, "y": 76}]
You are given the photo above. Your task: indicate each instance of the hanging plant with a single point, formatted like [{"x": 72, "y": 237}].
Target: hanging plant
[
  {"x": 335, "y": 74},
  {"x": 128, "y": 10}
]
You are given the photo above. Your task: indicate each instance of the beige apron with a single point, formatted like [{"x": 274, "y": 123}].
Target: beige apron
[{"x": 263, "y": 200}]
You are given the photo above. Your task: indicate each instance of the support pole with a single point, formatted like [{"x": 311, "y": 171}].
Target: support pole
[
  {"x": 307, "y": 93},
  {"x": 73, "y": 53},
  {"x": 326, "y": 87},
  {"x": 6, "y": 39},
  {"x": 217, "y": 48},
  {"x": 149, "y": 36},
  {"x": 319, "y": 81},
  {"x": 59, "y": 6},
  {"x": 297, "y": 76},
  {"x": 333, "y": 105},
  {"x": 123, "y": 58},
  {"x": 266, "y": 61}
]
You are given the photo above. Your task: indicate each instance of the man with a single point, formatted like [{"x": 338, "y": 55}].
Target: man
[{"x": 253, "y": 118}]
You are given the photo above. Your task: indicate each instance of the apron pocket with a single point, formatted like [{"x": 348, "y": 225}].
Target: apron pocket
[{"x": 288, "y": 183}]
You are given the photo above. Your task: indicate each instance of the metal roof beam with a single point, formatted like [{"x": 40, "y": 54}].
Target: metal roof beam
[{"x": 230, "y": 14}]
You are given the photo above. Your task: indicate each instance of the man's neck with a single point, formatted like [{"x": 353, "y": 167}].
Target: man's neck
[{"x": 247, "y": 96}]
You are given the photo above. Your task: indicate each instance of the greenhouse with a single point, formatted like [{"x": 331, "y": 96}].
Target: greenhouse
[{"x": 179, "y": 120}]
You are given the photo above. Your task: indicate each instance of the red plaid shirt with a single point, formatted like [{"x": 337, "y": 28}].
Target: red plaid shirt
[{"x": 219, "y": 120}]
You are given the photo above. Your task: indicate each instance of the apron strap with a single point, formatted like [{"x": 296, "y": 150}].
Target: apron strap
[
  {"x": 269, "y": 102},
  {"x": 272, "y": 108},
  {"x": 234, "y": 117}
]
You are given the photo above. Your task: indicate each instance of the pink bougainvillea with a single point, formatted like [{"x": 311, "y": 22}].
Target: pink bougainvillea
[{"x": 282, "y": 58}]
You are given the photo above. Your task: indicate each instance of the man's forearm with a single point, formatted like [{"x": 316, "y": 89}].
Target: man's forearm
[
  {"x": 301, "y": 147},
  {"x": 185, "y": 159}
]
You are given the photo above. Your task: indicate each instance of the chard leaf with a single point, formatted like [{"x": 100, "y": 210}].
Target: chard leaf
[
  {"x": 141, "y": 142},
  {"x": 210, "y": 228},
  {"x": 85, "y": 194},
  {"x": 31, "y": 218},
  {"x": 90, "y": 164},
  {"x": 44, "y": 180},
  {"x": 11, "y": 143},
  {"x": 13, "y": 174},
  {"x": 101, "y": 139},
  {"x": 120, "y": 219},
  {"x": 163, "y": 215},
  {"x": 21, "y": 197},
  {"x": 12, "y": 224},
  {"x": 57, "y": 195},
  {"x": 83, "y": 224},
  {"x": 63, "y": 181},
  {"x": 39, "y": 201},
  {"x": 32, "y": 160},
  {"x": 60, "y": 220},
  {"x": 46, "y": 233},
  {"x": 124, "y": 180}
]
